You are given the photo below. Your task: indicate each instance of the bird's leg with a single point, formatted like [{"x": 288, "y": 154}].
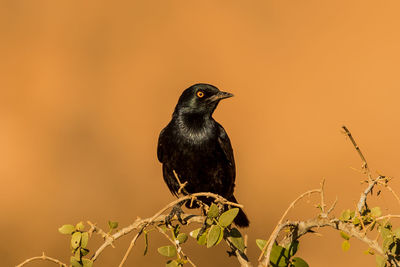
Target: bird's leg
[{"x": 176, "y": 210}]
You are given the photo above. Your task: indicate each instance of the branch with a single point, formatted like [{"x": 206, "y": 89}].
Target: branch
[
  {"x": 43, "y": 257},
  {"x": 141, "y": 224},
  {"x": 365, "y": 165},
  {"x": 278, "y": 227}
]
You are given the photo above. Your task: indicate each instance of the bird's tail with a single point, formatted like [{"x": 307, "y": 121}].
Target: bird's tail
[{"x": 241, "y": 219}]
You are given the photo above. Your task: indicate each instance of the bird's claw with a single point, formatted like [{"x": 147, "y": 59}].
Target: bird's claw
[{"x": 176, "y": 210}]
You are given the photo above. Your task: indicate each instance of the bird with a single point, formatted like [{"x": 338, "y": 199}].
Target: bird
[{"x": 197, "y": 149}]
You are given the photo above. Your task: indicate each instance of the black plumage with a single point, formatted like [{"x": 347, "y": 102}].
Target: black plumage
[{"x": 197, "y": 147}]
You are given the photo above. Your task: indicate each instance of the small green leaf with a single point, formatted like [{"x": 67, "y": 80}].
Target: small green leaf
[
  {"x": 380, "y": 261},
  {"x": 76, "y": 239},
  {"x": 112, "y": 225},
  {"x": 261, "y": 243},
  {"x": 80, "y": 226},
  {"x": 386, "y": 244},
  {"x": 376, "y": 212},
  {"x": 195, "y": 233},
  {"x": 396, "y": 232},
  {"x": 85, "y": 239},
  {"x": 213, "y": 235},
  {"x": 228, "y": 216},
  {"x": 172, "y": 263},
  {"x": 356, "y": 221},
  {"x": 213, "y": 211},
  {"x": 346, "y": 215},
  {"x": 344, "y": 235},
  {"x": 346, "y": 245},
  {"x": 74, "y": 262},
  {"x": 299, "y": 262},
  {"x": 84, "y": 251},
  {"x": 176, "y": 230},
  {"x": 66, "y": 229},
  {"x": 292, "y": 249},
  {"x": 277, "y": 257},
  {"x": 77, "y": 254},
  {"x": 237, "y": 240},
  {"x": 146, "y": 242},
  {"x": 202, "y": 240},
  {"x": 87, "y": 263},
  {"x": 369, "y": 251},
  {"x": 182, "y": 237},
  {"x": 385, "y": 233},
  {"x": 167, "y": 251}
]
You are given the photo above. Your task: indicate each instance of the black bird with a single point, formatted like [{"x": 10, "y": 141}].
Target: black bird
[{"x": 198, "y": 149}]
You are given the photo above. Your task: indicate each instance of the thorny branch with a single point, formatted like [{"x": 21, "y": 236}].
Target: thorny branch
[
  {"x": 300, "y": 228},
  {"x": 44, "y": 258},
  {"x": 296, "y": 228}
]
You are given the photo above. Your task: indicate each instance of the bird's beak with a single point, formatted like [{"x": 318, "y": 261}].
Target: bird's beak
[{"x": 220, "y": 95}]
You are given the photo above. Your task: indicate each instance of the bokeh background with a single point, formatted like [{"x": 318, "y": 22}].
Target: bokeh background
[{"x": 86, "y": 87}]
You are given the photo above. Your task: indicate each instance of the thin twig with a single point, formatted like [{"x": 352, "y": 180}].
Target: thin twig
[
  {"x": 389, "y": 216},
  {"x": 363, "y": 199},
  {"x": 131, "y": 245},
  {"x": 365, "y": 164},
  {"x": 177, "y": 246},
  {"x": 43, "y": 257},
  {"x": 277, "y": 227},
  {"x": 181, "y": 185}
]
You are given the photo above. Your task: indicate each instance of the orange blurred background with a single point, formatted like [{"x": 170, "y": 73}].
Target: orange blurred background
[{"x": 86, "y": 87}]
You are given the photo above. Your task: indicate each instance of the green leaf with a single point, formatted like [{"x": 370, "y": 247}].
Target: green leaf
[
  {"x": 76, "y": 239},
  {"x": 176, "y": 230},
  {"x": 261, "y": 243},
  {"x": 387, "y": 242},
  {"x": 277, "y": 257},
  {"x": 376, "y": 212},
  {"x": 292, "y": 249},
  {"x": 228, "y": 216},
  {"x": 112, "y": 225},
  {"x": 182, "y": 237},
  {"x": 87, "y": 263},
  {"x": 80, "y": 226},
  {"x": 396, "y": 232},
  {"x": 299, "y": 262},
  {"x": 369, "y": 251},
  {"x": 346, "y": 245},
  {"x": 146, "y": 242},
  {"x": 344, "y": 235},
  {"x": 213, "y": 235},
  {"x": 167, "y": 251},
  {"x": 85, "y": 239},
  {"x": 356, "y": 221},
  {"x": 385, "y": 233},
  {"x": 202, "y": 240},
  {"x": 172, "y": 263},
  {"x": 213, "y": 211},
  {"x": 74, "y": 262},
  {"x": 66, "y": 229},
  {"x": 236, "y": 238},
  {"x": 380, "y": 261},
  {"x": 195, "y": 233},
  {"x": 84, "y": 251},
  {"x": 77, "y": 254},
  {"x": 346, "y": 215}
]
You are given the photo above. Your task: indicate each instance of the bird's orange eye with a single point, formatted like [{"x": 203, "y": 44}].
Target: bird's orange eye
[{"x": 200, "y": 94}]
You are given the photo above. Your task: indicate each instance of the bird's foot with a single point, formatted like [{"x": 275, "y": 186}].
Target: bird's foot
[{"x": 176, "y": 210}]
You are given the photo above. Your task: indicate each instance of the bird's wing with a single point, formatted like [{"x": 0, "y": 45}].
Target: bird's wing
[
  {"x": 160, "y": 146},
  {"x": 226, "y": 146}
]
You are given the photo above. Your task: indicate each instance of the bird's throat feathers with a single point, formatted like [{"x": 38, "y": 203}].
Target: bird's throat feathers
[{"x": 196, "y": 127}]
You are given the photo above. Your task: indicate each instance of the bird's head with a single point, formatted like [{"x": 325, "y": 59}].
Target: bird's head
[{"x": 200, "y": 98}]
